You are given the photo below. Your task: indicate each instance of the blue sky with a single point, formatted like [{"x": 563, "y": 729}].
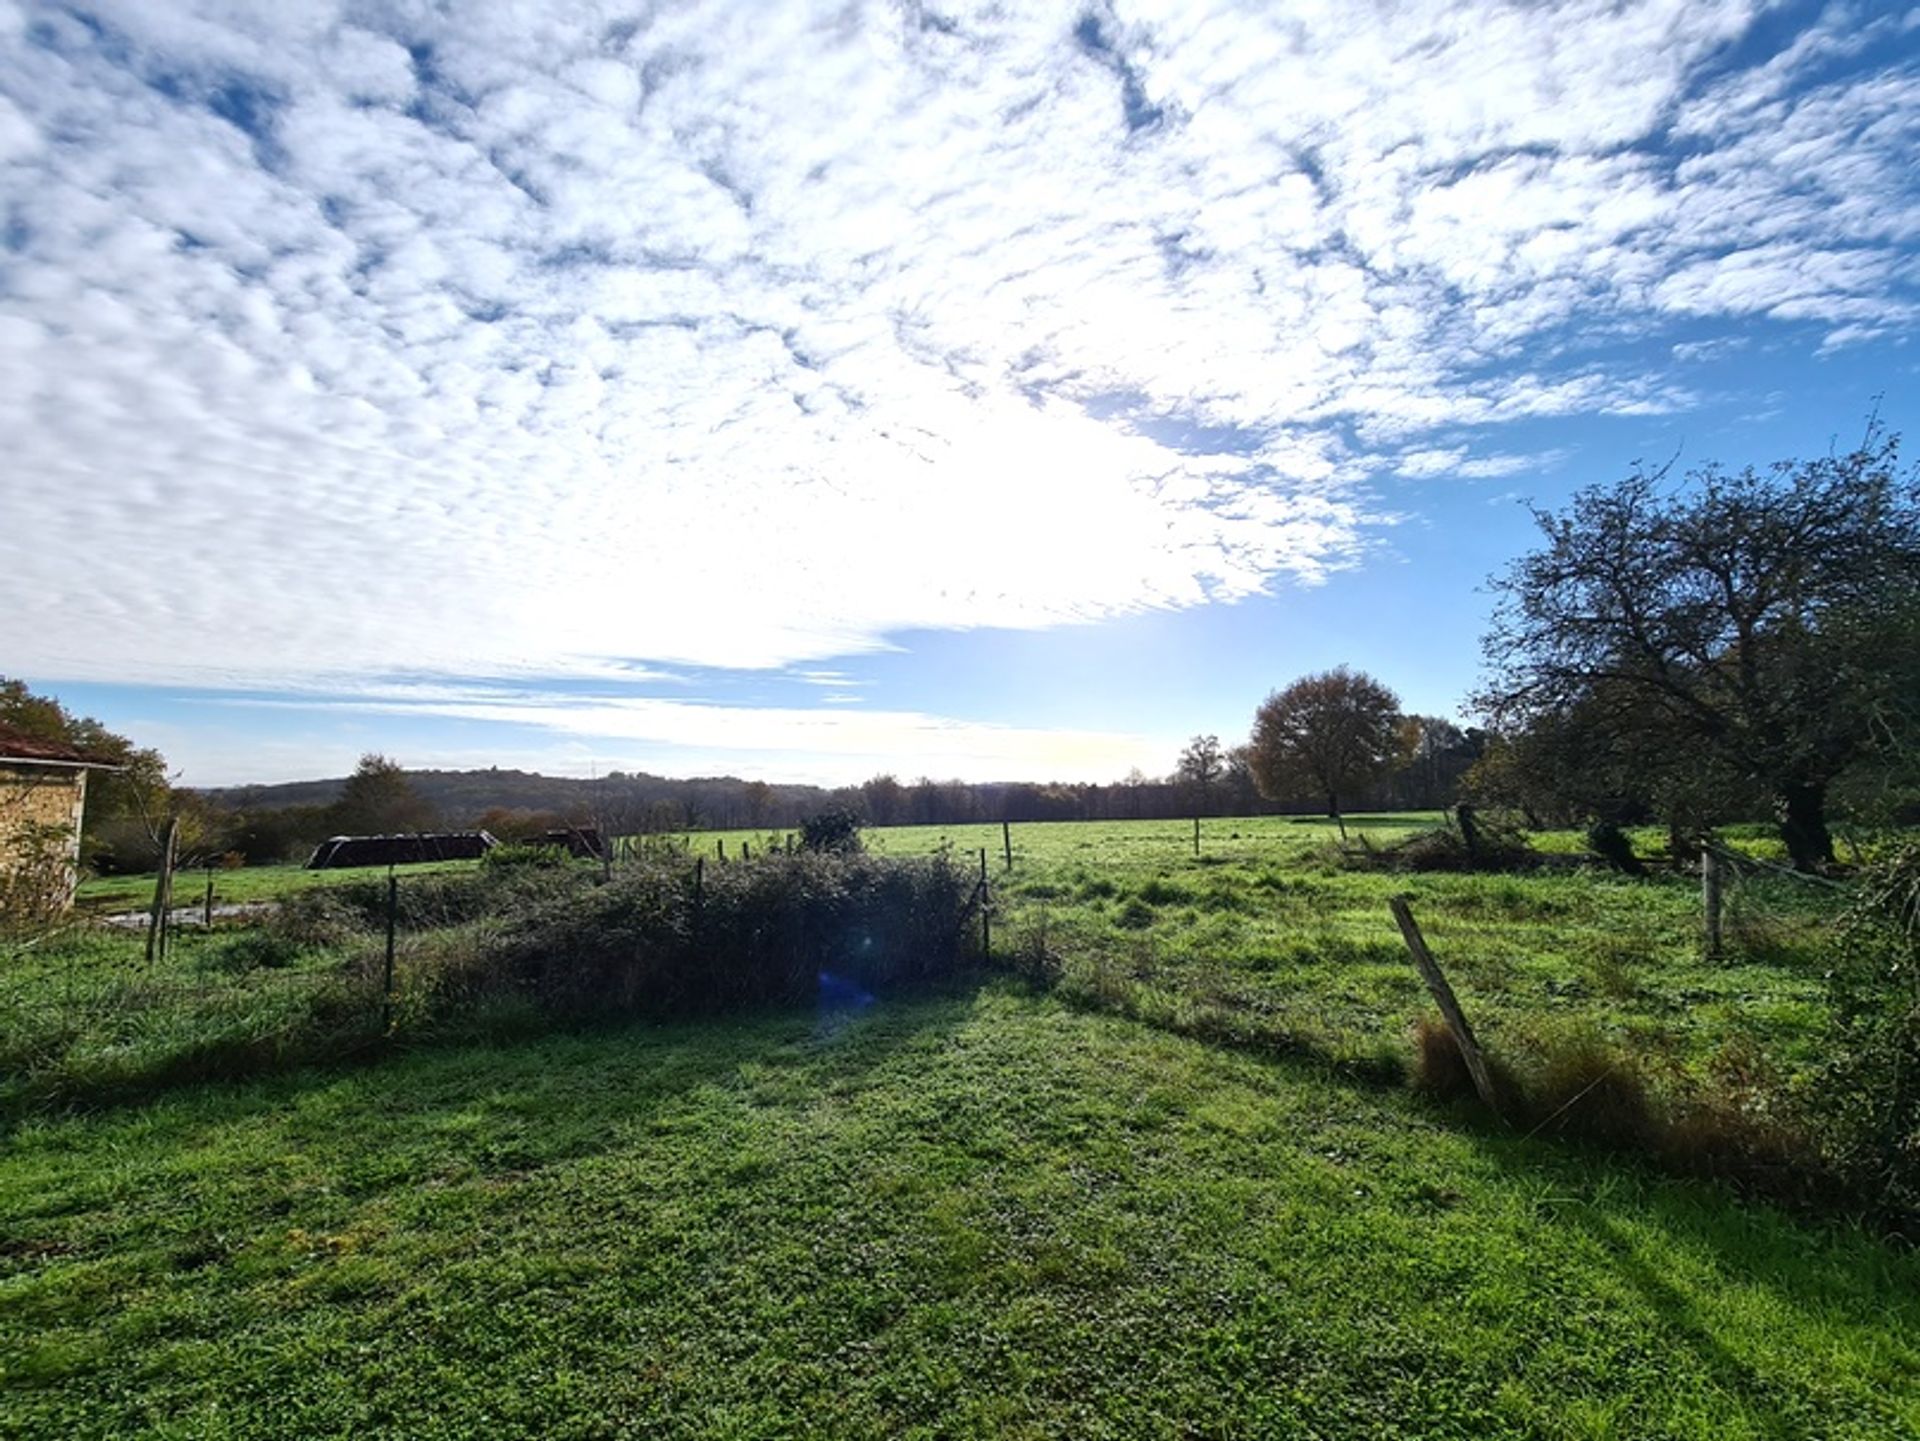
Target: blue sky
[{"x": 806, "y": 391}]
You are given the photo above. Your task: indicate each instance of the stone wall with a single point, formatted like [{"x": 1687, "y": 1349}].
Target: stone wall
[{"x": 40, "y": 809}]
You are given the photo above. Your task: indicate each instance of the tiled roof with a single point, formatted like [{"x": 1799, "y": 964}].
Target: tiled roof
[{"x": 19, "y": 745}]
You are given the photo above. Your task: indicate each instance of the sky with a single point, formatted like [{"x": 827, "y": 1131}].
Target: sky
[{"x": 809, "y": 391}]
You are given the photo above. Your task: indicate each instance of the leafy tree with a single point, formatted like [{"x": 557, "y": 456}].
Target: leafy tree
[
  {"x": 1201, "y": 766},
  {"x": 836, "y": 831},
  {"x": 1325, "y": 735},
  {"x": 1763, "y": 621},
  {"x": 378, "y": 799}
]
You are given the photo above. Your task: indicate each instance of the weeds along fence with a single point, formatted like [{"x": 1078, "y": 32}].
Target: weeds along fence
[{"x": 347, "y": 967}]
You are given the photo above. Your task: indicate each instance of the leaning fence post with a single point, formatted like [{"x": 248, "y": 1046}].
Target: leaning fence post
[
  {"x": 1443, "y": 996},
  {"x": 386, "y": 980},
  {"x": 1711, "y": 897},
  {"x": 207, "y": 916}
]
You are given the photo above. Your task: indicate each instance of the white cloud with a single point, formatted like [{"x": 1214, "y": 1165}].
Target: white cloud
[
  {"x": 831, "y": 746},
  {"x": 492, "y": 340}
]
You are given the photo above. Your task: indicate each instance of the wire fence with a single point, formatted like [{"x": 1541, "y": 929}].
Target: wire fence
[{"x": 330, "y": 969}]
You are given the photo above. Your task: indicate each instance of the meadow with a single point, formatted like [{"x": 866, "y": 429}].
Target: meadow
[
  {"x": 986, "y": 1209},
  {"x": 1268, "y": 932}
]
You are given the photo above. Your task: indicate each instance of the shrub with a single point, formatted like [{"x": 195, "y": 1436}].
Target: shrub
[
  {"x": 833, "y": 831},
  {"x": 1869, "y": 1091},
  {"x": 525, "y": 855},
  {"x": 778, "y": 931}
]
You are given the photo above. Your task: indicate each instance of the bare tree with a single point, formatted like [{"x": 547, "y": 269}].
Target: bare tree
[
  {"x": 1325, "y": 735},
  {"x": 882, "y": 799}
]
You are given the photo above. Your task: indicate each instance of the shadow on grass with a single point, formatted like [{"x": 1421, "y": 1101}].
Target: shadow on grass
[
  {"x": 288, "y": 1062},
  {"x": 1819, "y": 1274}
]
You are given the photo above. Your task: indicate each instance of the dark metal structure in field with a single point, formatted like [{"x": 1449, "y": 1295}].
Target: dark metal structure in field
[{"x": 403, "y": 850}]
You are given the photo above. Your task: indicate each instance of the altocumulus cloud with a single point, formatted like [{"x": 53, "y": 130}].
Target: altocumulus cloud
[{"x": 479, "y": 339}]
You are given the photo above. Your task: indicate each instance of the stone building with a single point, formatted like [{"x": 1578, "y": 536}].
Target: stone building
[{"x": 43, "y": 794}]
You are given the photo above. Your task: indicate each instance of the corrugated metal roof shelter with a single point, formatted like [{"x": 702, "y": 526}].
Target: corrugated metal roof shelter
[
  {"x": 43, "y": 795},
  {"x": 401, "y": 850}
]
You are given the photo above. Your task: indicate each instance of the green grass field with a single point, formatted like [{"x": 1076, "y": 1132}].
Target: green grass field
[
  {"x": 109, "y": 895},
  {"x": 983, "y": 1215},
  {"x": 977, "y": 1213},
  {"x": 1267, "y": 926}
]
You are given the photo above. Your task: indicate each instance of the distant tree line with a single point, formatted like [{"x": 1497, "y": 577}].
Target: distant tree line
[{"x": 272, "y": 823}]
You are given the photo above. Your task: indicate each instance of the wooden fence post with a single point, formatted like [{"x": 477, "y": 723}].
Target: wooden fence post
[
  {"x": 1443, "y": 996},
  {"x": 162, "y": 894},
  {"x": 1196, "y": 835},
  {"x": 207, "y": 915},
  {"x": 986, "y": 921},
  {"x": 1711, "y": 897},
  {"x": 1006, "y": 841},
  {"x": 386, "y": 979}
]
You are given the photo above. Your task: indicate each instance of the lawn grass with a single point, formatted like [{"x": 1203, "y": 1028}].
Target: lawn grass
[
  {"x": 974, "y": 1215},
  {"x": 110, "y": 895},
  {"x": 1270, "y": 932}
]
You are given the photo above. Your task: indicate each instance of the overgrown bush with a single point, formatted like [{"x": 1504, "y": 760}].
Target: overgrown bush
[
  {"x": 1869, "y": 1092},
  {"x": 835, "y": 832},
  {"x": 779, "y": 929},
  {"x": 525, "y": 855}
]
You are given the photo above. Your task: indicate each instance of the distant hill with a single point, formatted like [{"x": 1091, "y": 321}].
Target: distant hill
[{"x": 620, "y": 798}]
